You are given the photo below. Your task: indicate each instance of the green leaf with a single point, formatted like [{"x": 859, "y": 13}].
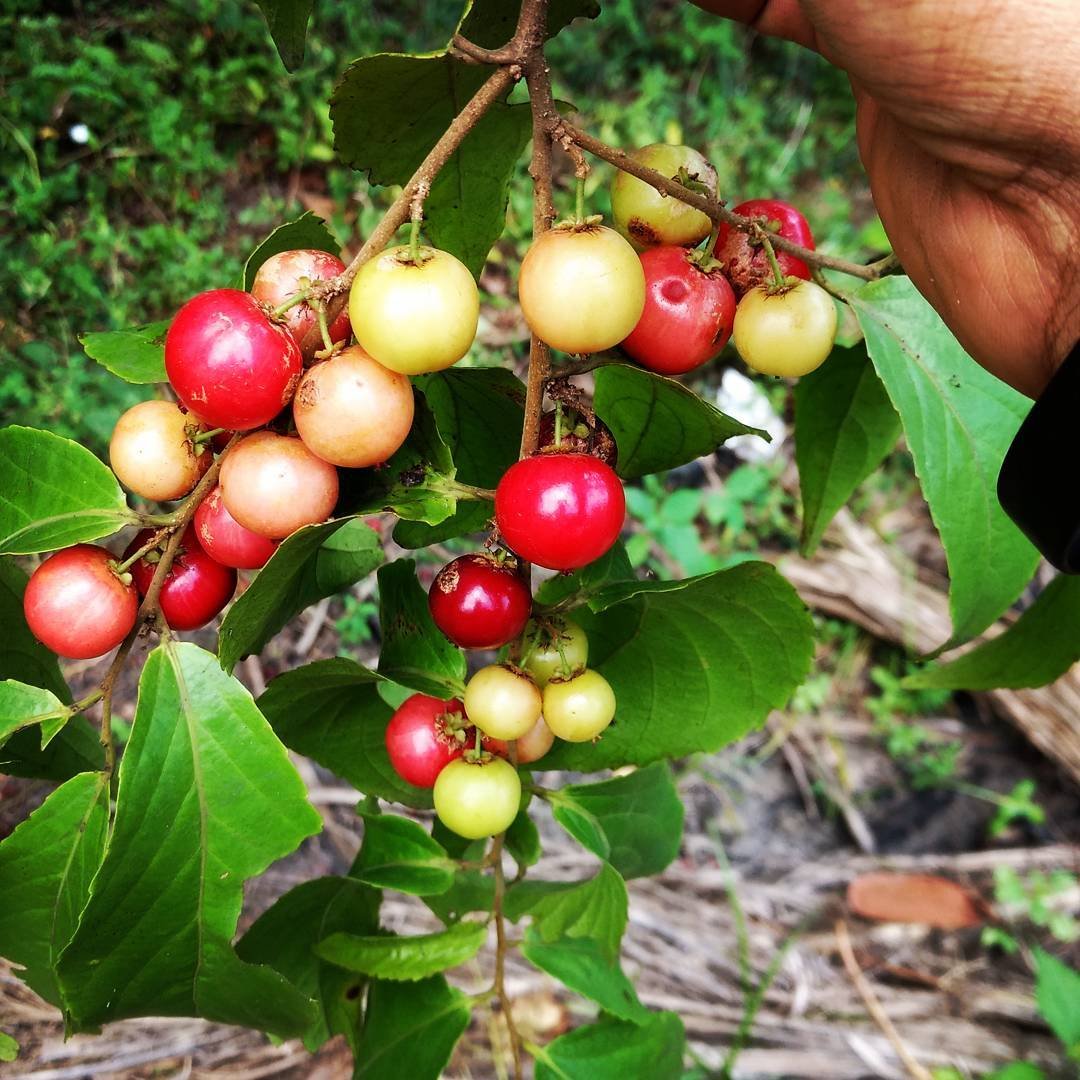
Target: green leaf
[
  {"x": 400, "y": 854},
  {"x": 958, "y": 421},
  {"x": 1057, "y": 991},
  {"x": 523, "y": 840},
  {"x": 582, "y": 965},
  {"x": 22, "y": 706},
  {"x": 414, "y": 651},
  {"x": 307, "y": 231},
  {"x": 845, "y": 425},
  {"x": 471, "y": 891},
  {"x": 9, "y": 1048},
  {"x": 46, "y": 866},
  {"x": 593, "y": 909},
  {"x": 55, "y": 493},
  {"x": 657, "y": 422},
  {"x": 284, "y": 937},
  {"x": 404, "y": 959},
  {"x": 695, "y": 664},
  {"x": 331, "y": 712},
  {"x": 639, "y": 816},
  {"x": 410, "y": 1029},
  {"x": 614, "y": 1050},
  {"x": 315, "y": 561},
  {"x": 287, "y": 22},
  {"x": 491, "y": 23},
  {"x": 207, "y": 798},
  {"x": 1037, "y": 649},
  {"x": 1016, "y": 1070},
  {"x": 136, "y": 355},
  {"x": 583, "y": 583}
]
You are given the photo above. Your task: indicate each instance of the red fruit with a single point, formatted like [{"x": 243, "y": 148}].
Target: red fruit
[
  {"x": 228, "y": 363},
  {"x": 746, "y": 264},
  {"x": 280, "y": 277},
  {"x": 76, "y": 605},
  {"x": 225, "y": 540},
  {"x": 478, "y": 602},
  {"x": 560, "y": 511},
  {"x": 424, "y": 736},
  {"x": 196, "y": 587},
  {"x": 688, "y": 313}
]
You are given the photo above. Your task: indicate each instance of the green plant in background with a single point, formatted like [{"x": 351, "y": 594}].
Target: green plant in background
[
  {"x": 356, "y": 623},
  {"x": 1031, "y": 897}
]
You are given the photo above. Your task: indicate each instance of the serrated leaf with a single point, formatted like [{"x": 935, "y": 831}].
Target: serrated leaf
[
  {"x": 287, "y": 22},
  {"x": 471, "y": 891},
  {"x": 136, "y": 355},
  {"x": 207, "y": 799},
  {"x": 639, "y": 817},
  {"x": 695, "y": 664},
  {"x": 614, "y": 1050},
  {"x": 331, "y": 712},
  {"x": 315, "y": 561},
  {"x": 523, "y": 840},
  {"x": 46, "y": 866},
  {"x": 414, "y": 651},
  {"x": 285, "y": 935},
  {"x": 307, "y": 231},
  {"x": 404, "y": 959},
  {"x": 1037, "y": 649},
  {"x": 657, "y": 422},
  {"x": 958, "y": 421},
  {"x": 23, "y": 706},
  {"x": 400, "y": 854},
  {"x": 845, "y": 425},
  {"x": 55, "y": 493},
  {"x": 1057, "y": 991}
]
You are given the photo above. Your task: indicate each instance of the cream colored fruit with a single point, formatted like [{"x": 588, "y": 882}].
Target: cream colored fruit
[
  {"x": 580, "y": 708},
  {"x": 787, "y": 333},
  {"x": 502, "y": 701},
  {"x": 152, "y": 453}
]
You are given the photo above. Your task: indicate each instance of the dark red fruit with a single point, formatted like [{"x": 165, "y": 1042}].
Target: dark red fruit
[
  {"x": 560, "y": 511},
  {"x": 688, "y": 313},
  {"x": 424, "y": 736},
  {"x": 576, "y": 436},
  {"x": 225, "y": 540},
  {"x": 196, "y": 587},
  {"x": 745, "y": 263},
  {"x": 478, "y": 602},
  {"x": 76, "y": 605},
  {"x": 228, "y": 362},
  {"x": 281, "y": 277}
]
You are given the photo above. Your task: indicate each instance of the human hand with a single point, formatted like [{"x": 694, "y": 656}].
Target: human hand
[{"x": 969, "y": 127}]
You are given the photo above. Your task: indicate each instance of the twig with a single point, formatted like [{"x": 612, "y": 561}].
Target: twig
[{"x": 500, "y": 953}]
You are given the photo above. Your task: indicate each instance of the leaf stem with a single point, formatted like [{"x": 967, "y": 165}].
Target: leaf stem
[
  {"x": 206, "y": 436},
  {"x": 291, "y": 302},
  {"x": 778, "y": 275}
]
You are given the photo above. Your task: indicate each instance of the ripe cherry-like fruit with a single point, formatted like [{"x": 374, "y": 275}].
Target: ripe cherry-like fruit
[
  {"x": 424, "y": 736},
  {"x": 502, "y": 701},
  {"x": 281, "y": 277},
  {"x": 789, "y": 332},
  {"x": 77, "y": 606},
  {"x": 560, "y": 511},
  {"x": 581, "y": 288},
  {"x": 644, "y": 215},
  {"x": 575, "y": 436},
  {"x": 556, "y": 647},
  {"x": 578, "y": 709},
  {"x": 152, "y": 452},
  {"x": 745, "y": 262},
  {"x": 414, "y": 316},
  {"x": 225, "y": 540},
  {"x": 477, "y": 799},
  {"x": 274, "y": 485},
  {"x": 479, "y": 602},
  {"x": 352, "y": 411},
  {"x": 531, "y": 746},
  {"x": 688, "y": 313},
  {"x": 196, "y": 587},
  {"x": 228, "y": 362}
]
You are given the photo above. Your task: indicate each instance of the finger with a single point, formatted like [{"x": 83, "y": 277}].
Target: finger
[{"x": 776, "y": 18}]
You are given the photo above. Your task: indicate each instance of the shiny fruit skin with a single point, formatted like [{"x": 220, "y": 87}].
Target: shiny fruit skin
[
  {"x": 578, "y": 709},
  {"x": 76, "y": 606},
  {"x": 502, "y": 701},
  {"x": 411, "y": 317},
  {"x": 545, "y": 662},
  {"x": 688, "y": 313},
  {"x": 647, "y": 218},
  {"x": 478, "y": 602},
  {"x": 787, "y": 333},
  {"x": 152, "y": 454},
  {"x": 419, "y": 740},
  {"x": 531, "y": 746},
  {"x": 228, "y": 362},
  {"x": 560, "y": 511},
  {"x": 746, "y": 265},
  {"x": 582, "y": 289},
  {"x": 477, "y": 800},
  {"x": 196, "y": 587},
  {"x": 279, "y": 278},
  {"x": 351, "y": 411},
  {"x": 274, "y": 485},
  {"x": 225, "y": 540}
]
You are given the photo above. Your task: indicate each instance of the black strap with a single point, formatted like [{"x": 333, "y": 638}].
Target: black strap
[{"x": 1039, "y": 482}]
